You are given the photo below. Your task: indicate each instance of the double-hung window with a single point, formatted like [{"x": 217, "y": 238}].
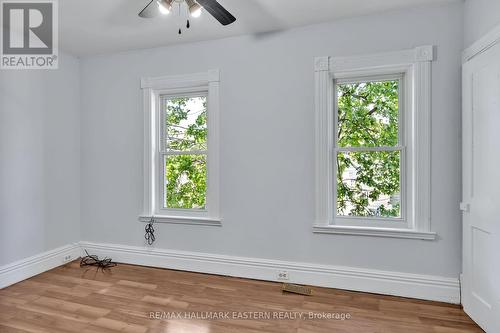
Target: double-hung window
[
  {"x": 373, "y": 144},
  {"x": 181, "y": 149},
  {"x": 369, "y": 144},
  {"x": 183, "y": 152}
]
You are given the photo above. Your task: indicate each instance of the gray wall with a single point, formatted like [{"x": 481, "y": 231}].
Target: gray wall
[
  {"x": 39, "y": 160},
  {"x": 267, "y": 133},
  {"x": 480, "y": 16}
]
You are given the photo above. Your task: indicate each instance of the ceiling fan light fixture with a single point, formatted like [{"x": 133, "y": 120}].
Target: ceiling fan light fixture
[
  {"x": 196, "y": 13},
  {"x": 165, "y": 6},
  {"x": 155, "y": 7},
  {"x": 194, "y": 8}
]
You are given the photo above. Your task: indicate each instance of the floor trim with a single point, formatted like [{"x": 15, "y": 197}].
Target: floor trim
[
  {"x": 425, "y": 287},
  {"x": 25, "y": 268}
]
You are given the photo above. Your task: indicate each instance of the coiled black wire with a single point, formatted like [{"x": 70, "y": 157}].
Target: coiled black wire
[
  {"x": 150, "y": 233},
  {"x": 93, "y": 260}
]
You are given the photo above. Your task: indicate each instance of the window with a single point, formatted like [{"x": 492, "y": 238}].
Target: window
[
  {"x": 369, "y": 148},
  {"x": 184, "y": 152},
  {"x": 372, "y": 144},
  {"x": 181, "y": 149}
]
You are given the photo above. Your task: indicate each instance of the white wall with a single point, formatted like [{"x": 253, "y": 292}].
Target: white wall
[
  {"x": 268, "y": 143},
  {"x": 480, "y": 16},
  {"x": 39, "y": 160}
]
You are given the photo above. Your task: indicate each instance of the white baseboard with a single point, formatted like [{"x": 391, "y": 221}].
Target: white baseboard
[
  {"x": 426, "y": 287},
  {"x": 28, "y": 267}
]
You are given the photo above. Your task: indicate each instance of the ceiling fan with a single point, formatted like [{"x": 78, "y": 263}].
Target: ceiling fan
[{"x": 156, "y": 7}]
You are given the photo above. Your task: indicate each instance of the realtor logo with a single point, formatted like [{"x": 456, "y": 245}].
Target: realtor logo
[{"x": 29, "y": 34}]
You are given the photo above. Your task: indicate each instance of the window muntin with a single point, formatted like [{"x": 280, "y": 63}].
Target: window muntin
[
  {"x": 183, "y": 151},
  {"x": 369, "y": 149}
]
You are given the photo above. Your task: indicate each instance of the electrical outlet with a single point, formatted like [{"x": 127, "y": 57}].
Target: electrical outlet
[
  {"x": 67, "y": 258},
  {"x": 283, "y": 276}
]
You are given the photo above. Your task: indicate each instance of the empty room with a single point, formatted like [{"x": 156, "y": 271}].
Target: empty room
[{"x": 219, "y": 166}]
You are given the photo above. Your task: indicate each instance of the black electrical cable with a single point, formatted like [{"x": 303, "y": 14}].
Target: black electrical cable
[
  {"x": 150, "y": 233},
  {"x": 93, "y": 260}
]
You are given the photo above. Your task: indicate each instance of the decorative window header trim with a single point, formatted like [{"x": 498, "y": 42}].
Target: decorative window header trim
[
  {"x": 181, "y": 81},
  {"x": 405, "y": 57}
]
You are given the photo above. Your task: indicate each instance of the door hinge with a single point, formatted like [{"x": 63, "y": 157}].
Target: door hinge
[{"x": 464, "y": 207}]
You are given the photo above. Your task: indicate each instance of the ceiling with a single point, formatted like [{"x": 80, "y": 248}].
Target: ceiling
[{"x": 104, "y": 26}]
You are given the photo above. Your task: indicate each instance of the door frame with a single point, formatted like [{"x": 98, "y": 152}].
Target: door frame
[
  {"x": 481, "y": 45},
  {"x": 488, "y": 41}
]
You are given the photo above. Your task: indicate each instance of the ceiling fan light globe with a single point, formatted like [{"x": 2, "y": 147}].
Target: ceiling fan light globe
[
  {"x": 164, "y": 6},
  {"x": 196, "y": 12},
  {"x": 194, "y": 8}
]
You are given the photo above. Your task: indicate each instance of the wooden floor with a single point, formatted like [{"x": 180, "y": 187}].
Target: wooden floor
[{"x": 74, "y": 299}]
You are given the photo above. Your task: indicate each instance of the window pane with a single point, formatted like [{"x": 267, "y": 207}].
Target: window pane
[
  {"x": 368, "y": 184},
  {"x": 368, "y": 114},
  {"x": 185, "y": 123},
  {"x": 185, "y": 181}
]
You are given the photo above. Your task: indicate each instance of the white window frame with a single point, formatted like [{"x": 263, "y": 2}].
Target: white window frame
[
  {"x": 198, "y": 84},
  {"x": 405, "y": 168},
  {"x": 414, "y": 67}
]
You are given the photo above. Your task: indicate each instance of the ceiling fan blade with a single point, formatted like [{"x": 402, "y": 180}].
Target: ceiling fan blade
[
  {"x": 151, "y": 10},
  {"x": 217, "y": 11}
]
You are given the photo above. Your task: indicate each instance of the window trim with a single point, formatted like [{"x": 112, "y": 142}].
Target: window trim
[
  {"x": 176, "y": 85},
  {"x": 415, "y": 65}
]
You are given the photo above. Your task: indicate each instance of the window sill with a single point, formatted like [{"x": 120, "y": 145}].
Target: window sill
[
  {"x": 376, "y": 232},
  {"x": 205, "y": 221}
]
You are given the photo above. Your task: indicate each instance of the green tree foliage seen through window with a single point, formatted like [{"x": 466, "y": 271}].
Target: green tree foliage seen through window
[
  {"x": 186, "y": 158},
  {"x": 368, "y": 182}
]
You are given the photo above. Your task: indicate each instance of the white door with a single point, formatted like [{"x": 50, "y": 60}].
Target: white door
[{"x": 481, "y": 189}]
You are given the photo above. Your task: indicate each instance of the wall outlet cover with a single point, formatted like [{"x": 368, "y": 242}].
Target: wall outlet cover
[{"x": 283, "y": 276}]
